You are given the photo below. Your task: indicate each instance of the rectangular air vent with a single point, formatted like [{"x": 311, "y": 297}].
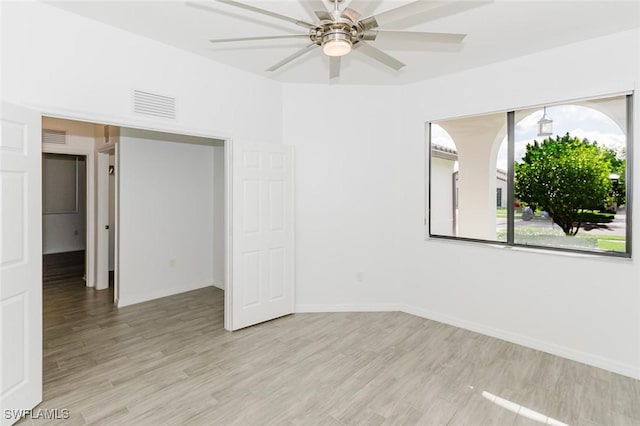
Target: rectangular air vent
[
  {"x": 153, "y": 104},
  {"x": 54, "y": 136}
]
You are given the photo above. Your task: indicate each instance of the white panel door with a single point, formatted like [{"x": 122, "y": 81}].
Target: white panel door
[
  {"x": 262, "y": 234},
  {"x": 20, "y": 262}
]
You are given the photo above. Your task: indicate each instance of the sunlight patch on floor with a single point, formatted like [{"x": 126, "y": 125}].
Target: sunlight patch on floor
[{"x": 522, "y": 411}]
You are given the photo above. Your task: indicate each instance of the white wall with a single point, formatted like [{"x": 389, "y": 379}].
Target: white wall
[
  {"x": 349, "y": 196},
  {"x": 360, "y": 206},
  {"x": 442, "y": 196},
  {"x": 91, "y": 70},
  {"x": 166, "y": 214}
]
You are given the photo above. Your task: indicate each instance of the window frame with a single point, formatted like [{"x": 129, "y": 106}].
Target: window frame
[{"x": 510, "y": 237}]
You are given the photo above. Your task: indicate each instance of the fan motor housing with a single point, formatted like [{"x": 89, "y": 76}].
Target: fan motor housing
[
  {"x": 335, "y": 35},
  {"x": 343, "y": 31}
]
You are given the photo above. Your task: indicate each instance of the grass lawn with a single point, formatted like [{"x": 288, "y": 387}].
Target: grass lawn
[
  {"x": 556, "y": 238},
  {"x": 612, "y": 245}
]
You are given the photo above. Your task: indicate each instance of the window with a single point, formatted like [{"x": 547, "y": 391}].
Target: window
[
  {"x": 60, "y": 183},
  {"x": 505, "y": 178}
]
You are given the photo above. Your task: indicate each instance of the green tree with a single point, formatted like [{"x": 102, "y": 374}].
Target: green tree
[
  {"x": 564, "y": 175},
  {"x": 618, "y": 165}
]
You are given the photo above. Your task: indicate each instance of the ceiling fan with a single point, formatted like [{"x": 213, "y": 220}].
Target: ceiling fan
[{"x": 339, "y": 32}]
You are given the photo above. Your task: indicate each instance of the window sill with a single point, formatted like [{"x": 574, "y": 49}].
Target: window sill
[{"x": 549, "y": 251}]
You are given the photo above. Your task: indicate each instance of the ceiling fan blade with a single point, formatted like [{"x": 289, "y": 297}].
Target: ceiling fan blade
[
  {"x": 323, "y": 15},
  {"x": 398, "y": 13},
  {"x": 415, "y": 41},
  {"x": 312, "y": 6},
  {"x": 334, "y": 67},
  {"x": 378, "y": 55},
  {"x": 414, "y": 37},
  {"x": 417, "y": 11},
  {"x": 443, "y": 10},
  {"x": 299, "y": 22},
  {"x": 290, "y": 58},
  {"x": 224, "y": 40},
  {"x": 364, "y": 7},
  {"x": 351, "y": 14}
]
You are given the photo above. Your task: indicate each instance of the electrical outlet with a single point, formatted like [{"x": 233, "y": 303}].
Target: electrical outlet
[
  {"x": 359, "y": 277},
  {"x": 75, "y": 232},
  {"x": 172, "y": 263}
]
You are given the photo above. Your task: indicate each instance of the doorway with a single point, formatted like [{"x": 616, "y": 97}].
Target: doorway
[
  {"x": 71, "y": 138},
  {"x": 166, "y": 230},
  {"x": 175, "y": 218},
  {"x": 106, "y": 219},
  {"x": 64, "y": 189}
]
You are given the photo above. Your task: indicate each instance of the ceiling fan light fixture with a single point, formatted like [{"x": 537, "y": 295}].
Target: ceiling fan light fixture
[
  {"x": 336, "y": 43},
  {"x": 336, "y": 48}
]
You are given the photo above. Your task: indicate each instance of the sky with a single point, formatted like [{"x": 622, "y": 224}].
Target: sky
[{"x": 579, "y": 121}]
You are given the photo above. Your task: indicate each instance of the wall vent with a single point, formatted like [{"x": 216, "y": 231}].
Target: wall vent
[
  {"x": 153, "y": 104},
  {"x": 54, "y": 136}
]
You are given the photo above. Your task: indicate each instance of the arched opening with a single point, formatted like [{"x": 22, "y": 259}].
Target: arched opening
[
  {"x": 443, "y": 183},
  {"x": 475, "y": 183}
]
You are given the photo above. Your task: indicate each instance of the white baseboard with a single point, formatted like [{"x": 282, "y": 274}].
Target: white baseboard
[
  {"x": 541, "y": 345},
  {"x": 156, "y": 294},
  {"x": 347, "y": 308}
]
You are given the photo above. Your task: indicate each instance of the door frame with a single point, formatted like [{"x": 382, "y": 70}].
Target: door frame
[
  {"x": 90, "y": 219},
  {"x": 102, "y": 217},
  {"x": 228, "y": 236}
]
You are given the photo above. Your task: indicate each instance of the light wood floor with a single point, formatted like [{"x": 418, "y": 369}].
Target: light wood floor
[{"x": 170, "y": 361}]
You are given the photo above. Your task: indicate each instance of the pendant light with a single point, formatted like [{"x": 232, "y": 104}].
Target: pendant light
[{"x": 545, "y": 125}]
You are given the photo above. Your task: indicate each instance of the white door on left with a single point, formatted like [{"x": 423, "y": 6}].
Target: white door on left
[{"x": 20, "y": 262}]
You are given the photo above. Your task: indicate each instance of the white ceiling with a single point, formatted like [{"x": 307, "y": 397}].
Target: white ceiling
[{"x": 496, "y": 31}]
